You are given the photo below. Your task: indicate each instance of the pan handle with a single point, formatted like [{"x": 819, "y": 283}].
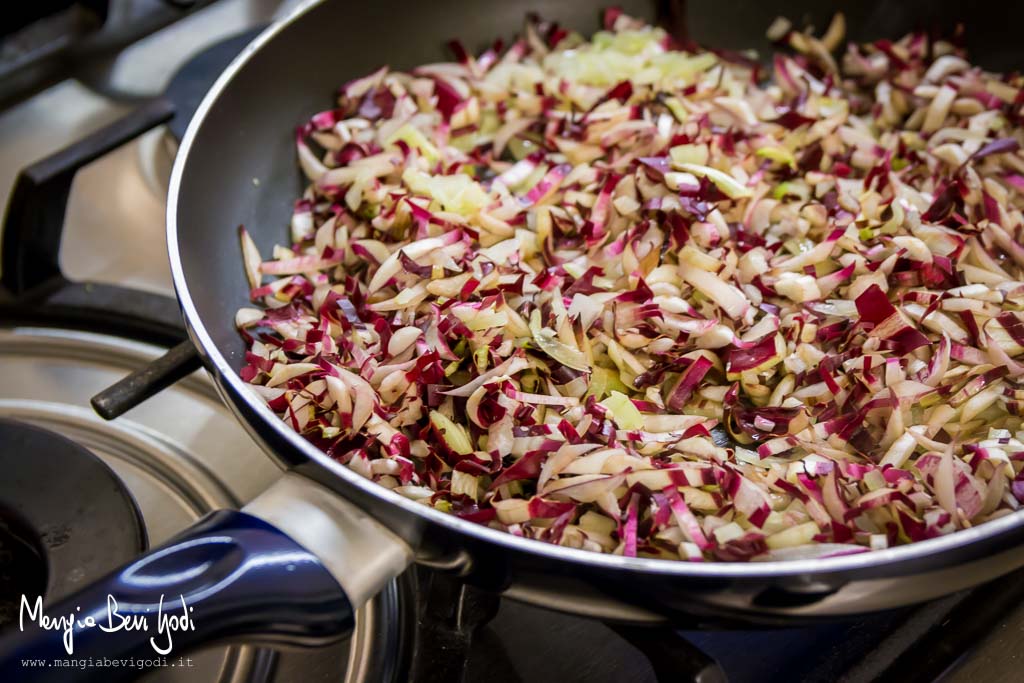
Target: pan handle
[{"x": 233, "y": 575}]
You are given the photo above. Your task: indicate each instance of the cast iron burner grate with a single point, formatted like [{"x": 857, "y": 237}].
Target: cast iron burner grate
[{"x": 460, "y": 639}]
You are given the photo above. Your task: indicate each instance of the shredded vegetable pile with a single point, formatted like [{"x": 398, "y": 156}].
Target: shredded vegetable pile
[{"x": 535, "y": 288}]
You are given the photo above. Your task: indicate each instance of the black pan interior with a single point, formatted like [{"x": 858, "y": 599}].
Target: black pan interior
[{"x": 241, "y": 168}]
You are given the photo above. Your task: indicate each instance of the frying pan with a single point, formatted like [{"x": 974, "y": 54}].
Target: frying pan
[{"x": 294, "y": 564}]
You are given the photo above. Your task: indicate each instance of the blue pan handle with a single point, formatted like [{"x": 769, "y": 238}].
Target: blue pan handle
[{"x": 239, "y": 576}]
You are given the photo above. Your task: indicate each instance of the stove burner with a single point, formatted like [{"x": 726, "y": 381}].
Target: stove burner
[
  {"x": 64, "y": 516},
  {"x": 197, "y": 75},
  {"x": 22, "y": 565}
]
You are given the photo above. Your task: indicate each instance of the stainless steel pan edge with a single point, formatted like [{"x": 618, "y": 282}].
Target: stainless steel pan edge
[{"x": 565, "y": 578}]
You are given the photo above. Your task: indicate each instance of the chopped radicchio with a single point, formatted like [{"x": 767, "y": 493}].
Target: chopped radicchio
[{"x": 626, "y": 296}]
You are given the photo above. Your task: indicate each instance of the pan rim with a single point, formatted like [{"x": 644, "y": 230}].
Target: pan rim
[{"x": 230, "y": 381}]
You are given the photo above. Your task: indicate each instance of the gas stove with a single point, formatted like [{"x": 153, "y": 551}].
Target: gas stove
[{"x": 110, "y": 120}]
